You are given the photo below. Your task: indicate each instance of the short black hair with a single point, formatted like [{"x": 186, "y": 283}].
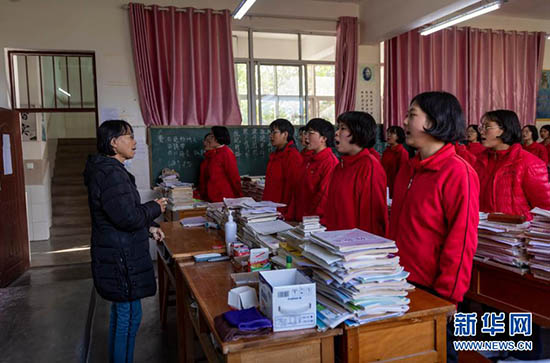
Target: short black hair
[
  {"x": 283, "y": 125},
  {"x": 302, "y": 129},
  {"x": 476, "y": 129},
  {"x": 546, "y": 127},
  {"x": 324, "y": 128},
  {"x": 508, "y": 121},
  {"x": 534, "y": 132},
  {"x": 398, "y": 130},
  {"x": 221, "y": 134},
  {"x": 111, "y": 129},
  {"x": 445, "y": 114},
  {"x": 362, "y": 127}
]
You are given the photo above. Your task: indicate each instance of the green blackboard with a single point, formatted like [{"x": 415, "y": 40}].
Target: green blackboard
[{"x": 180, "y": 148}]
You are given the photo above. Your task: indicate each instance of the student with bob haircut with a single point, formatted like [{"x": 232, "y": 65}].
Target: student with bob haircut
[
  {"x": 219, "y": 174},
  {"x": 513, "y": 180},
  {"x": 311, "y": 192},
  {"x": 357, "y": 191},
  {"x": 122, "y": 269},
  {"x": 284, "y": 165},
  {"x": 435, "y": 210},
  {"x": 306, "y": 153},
  {"x": 395, "y": 154},
  {"x": 545, "y": 135},
  {"x": 474, "y": 140},
  {"x": 529, "y": 137}
]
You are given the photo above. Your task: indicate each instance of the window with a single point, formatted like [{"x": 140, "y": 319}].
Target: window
[{"x": 284, "y": 75}]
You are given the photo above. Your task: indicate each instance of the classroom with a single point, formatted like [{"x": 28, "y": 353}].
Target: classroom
[{"x": 254, "y": 180}]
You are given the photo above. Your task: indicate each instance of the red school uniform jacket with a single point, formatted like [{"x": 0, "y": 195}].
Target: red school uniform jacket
[
  {"x": 462, "y": 151},
  {"x": 538, "y": 150},
  {"x": 475, "y": 148},
  {"x": 434, "y": 218},
  {"x": 219, "y": 175},
  {"x": 283, "y": 171},
  {"x": 375, "y": 153},
  {"x": 312, "y": 188},
  {"x": 513, "y": 181},
  {"x": 357, "y": 195},
  {"x": 306, "y": 155},
  {"x": 392, "y": 160}
]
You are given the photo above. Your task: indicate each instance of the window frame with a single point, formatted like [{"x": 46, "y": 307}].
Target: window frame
[
  {"x": 11, "y": 56},
  {"x": 254, "y": 95}
]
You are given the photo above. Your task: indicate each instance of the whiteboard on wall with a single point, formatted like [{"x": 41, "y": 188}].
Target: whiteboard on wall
[{"x": 367, "y": 98}]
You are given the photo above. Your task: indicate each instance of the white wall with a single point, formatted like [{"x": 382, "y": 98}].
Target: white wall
[{"x": 102, "y": 26}]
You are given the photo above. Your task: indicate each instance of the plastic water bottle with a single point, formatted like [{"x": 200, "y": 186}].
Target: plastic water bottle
[{"x": 230, "y": 233}]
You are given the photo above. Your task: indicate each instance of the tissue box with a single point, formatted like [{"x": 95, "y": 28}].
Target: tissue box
[
  {"x": 288, "y": 298},
  {"x": 243, "y": 297}
]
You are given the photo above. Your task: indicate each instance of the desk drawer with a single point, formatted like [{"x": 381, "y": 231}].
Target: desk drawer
[{"x": 404, "y": 341}]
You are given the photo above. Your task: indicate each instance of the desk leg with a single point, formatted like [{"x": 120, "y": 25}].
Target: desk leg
[
  {"x": 184, "y": 323},
  {"x": 441, "y": 337},
  {"x": 163, "y": 289},
  {"x": 327, "y": 350}
]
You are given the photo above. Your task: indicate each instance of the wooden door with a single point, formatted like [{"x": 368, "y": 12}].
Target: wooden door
[{"x": 14, "y": 239}]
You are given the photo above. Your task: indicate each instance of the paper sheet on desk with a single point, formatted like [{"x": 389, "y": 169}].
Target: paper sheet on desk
[{"x": 270, "y": 227}]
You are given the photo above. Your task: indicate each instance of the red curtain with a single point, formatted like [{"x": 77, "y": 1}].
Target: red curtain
[
  {"x": 184, "y": 66},
  {"x": 484, "y": 69},
  {"x": 347, "y": 44}
]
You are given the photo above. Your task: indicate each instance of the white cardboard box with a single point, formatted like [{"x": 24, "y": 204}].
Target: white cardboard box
[
  {"x": 243, "y": 297},
  {"x": 288, "y": 298}
]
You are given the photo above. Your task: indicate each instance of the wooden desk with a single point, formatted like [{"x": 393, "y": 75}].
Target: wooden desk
[
  {"x": 510, "y": 292},
  {"x": 417, "y": 336},
  {"x": 175, "y": 215},
  {"x": 181, "y": 244},
  {"x": 206, "y": 285}
]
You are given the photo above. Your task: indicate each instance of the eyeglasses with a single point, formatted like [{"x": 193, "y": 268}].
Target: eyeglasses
[{"x": 485, "y": 128}]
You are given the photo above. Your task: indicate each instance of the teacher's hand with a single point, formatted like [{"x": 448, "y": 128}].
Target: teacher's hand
[
  {"x": 157, "y": 233},
  {"x": 162, "y": 203}
]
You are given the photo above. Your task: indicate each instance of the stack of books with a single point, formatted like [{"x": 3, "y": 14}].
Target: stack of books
[
  {"x": 308, "y": 226},
  {"x": 538, "y": 244},
  {"x": 502, "y": 244},
  {"x": 181, "y": 196},
  {"x": 358, "y": 277},
  {"x": 253, "y": 187}
]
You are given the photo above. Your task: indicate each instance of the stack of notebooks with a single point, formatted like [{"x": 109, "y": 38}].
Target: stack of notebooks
[
  {"x": 502, "y": 244},
  {"x": 538, "y": 244},
  {"x": 253, "y": 186},
  {"x": 181, "y": 196},
  {"x": 358, "y": 277}
]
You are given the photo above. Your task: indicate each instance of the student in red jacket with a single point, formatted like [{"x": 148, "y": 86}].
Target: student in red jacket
[
  {"x": 395, "y": 154},
  {"x": 513, "y": 181},
  {"x": 284, "y": 165},
  {"x": 529, "y": 137},
  {"x": 306, "y": 153},
  {"x": 312, "y": 190},
  {"x": 219, "y": 176},
  {"x": 357, "y": 191},
  {"x": 474, "y": 140},
  {"x": 545, "y": 135},
  {"x": 374, "y": 153},
  {"x": 462, "y": 151},
  {"x": 435, "y": 210}
]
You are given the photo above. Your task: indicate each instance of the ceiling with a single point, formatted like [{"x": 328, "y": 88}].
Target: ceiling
[{"x": 536, "y": 9}]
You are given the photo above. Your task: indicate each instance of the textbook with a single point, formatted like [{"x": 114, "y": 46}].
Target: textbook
[
  {"x": 350, "y": 240},
  {"x": 538, "y": 244}
]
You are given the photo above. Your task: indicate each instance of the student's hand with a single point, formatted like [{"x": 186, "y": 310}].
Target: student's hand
[
  {"x": 162, "y": 203},
  {"x": 157, "y": 233}
]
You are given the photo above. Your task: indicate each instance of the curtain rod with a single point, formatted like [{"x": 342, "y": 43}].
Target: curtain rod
[{"x": 250, "y": 15}]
